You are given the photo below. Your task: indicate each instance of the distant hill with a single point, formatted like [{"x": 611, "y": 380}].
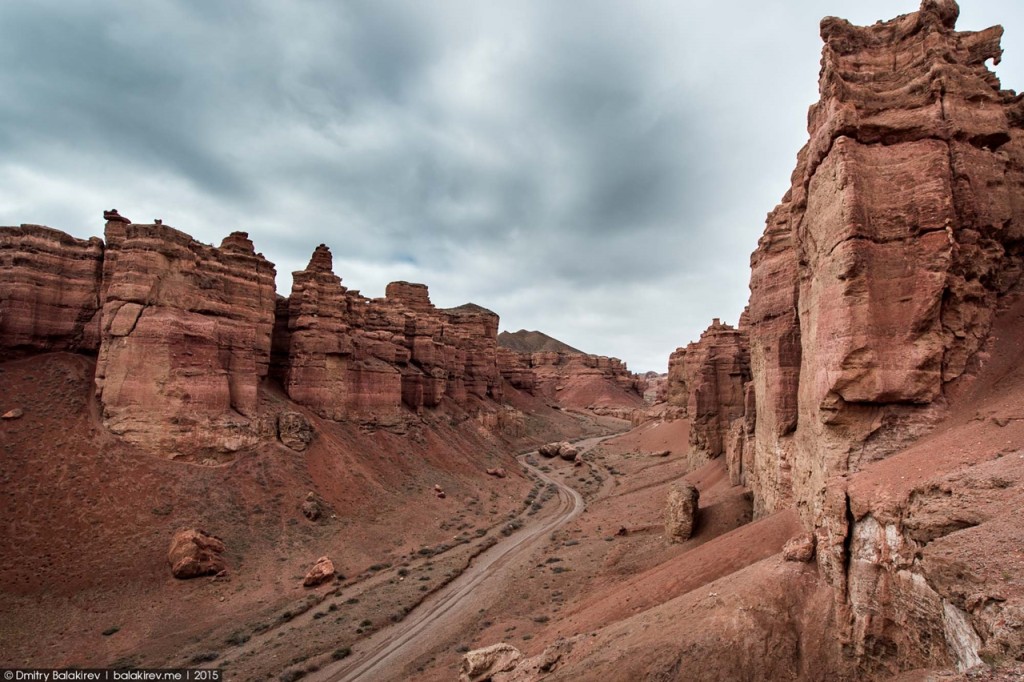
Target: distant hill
[{"x": 533, "y": 342}]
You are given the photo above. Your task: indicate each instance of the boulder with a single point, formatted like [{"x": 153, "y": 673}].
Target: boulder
[
  {"x": 567, "y": 451},
  {"x": 681, "y": 511},
  {"x": 481, "y": 665},
  {"x": 194, "y": 552},
  {"x": 322, "y": 571},
  {"x": 799, "y": 548},
  {"x": 16, "y": 413},
  {"x": 497, "y": 472},
  {"x": 550, "y": 450}
]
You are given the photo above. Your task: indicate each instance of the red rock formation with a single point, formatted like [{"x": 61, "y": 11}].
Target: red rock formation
[
  {"x": 574, "y": 379},
  {"x": 516, "y": 369},
  {"x": 185, "y": 338},
  {"x": 676, "y": 392},
  {"x": 708, "y": 379},
  {"x": 476, "y": 329},
  {"x": 875, "y": 283},
  {"x": 49, "y": 291},
  {"x": 873, "y": 293},
  {"x": 348, "y": 356},
  {"x": 321, "y": 360}
]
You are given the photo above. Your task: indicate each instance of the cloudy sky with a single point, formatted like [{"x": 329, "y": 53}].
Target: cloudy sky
[{"x": 597, "y": 170}]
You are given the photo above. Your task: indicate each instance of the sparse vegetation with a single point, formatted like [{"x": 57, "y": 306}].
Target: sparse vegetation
[{"x": 237, "y": 638}]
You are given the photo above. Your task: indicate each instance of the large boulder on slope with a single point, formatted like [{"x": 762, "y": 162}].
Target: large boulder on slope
[
  {"x": 194, "y": 552},
  {"x": 681, "y": 511}
]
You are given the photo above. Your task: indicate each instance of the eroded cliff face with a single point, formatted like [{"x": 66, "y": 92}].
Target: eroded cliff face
[
  {"x": 345, "y": 355},
  {"x": 873, "y": 295},
  {"x": 49, "y": 292},
  {"x": 675, "y": 391},
  {"x": 874, "y": 291},
  {"x": 874, "y": 285},
  {"x": 574, "y": 380},
  {"x": 185, "y": 334},
  {"x": 184, "y": 338}
]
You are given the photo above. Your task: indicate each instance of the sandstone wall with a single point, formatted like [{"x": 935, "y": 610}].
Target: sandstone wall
[
  {"x": 49, "y": 291},
  {"x": 184, "y": 338},
  {"x": 348, "y": 356},
  {"x": 675, "y": 392},
  {"x": 573, "y": 379},
  {"x": 185, "y": 333},
  {"x": 873, "y": 293},
  {"x": 874, "y": 285},
  {"x": 716, "y": 369}
]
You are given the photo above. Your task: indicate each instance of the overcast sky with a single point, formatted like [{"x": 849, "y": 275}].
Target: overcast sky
[{"x": 596, "y": 170}]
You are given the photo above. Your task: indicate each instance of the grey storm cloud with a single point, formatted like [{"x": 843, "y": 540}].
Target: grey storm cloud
[{"x": 600, "y": 171}]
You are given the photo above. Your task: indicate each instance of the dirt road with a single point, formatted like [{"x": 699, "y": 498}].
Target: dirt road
[{"x": 386, "y": 654}]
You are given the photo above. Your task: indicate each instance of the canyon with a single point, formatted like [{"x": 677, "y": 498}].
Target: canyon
[{"x": 826, "y": 490}]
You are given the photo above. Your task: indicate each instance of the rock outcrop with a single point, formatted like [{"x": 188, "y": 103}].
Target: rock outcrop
[
  {"x": 49, "y": 291},
  {"x": 874, "y": 285},
  {"x": 185, "y": 332},
  {"x": 195, "y": 553},
  {"x": 574, "y": 380},
  {"x": 184, "y": 338},
  {"x": 344, "y": 355},
  {"x": 676, "y": 392},
  {"x": 873, "y": 293},
  {"x": 709, "y": 382},
  {"x": 716, "y": 368}
]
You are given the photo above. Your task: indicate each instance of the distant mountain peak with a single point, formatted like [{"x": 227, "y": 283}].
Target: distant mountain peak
[{"x": 533, "y": 342}]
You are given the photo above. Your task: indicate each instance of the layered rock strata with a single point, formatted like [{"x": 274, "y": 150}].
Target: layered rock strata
[
  {"x": 185, "y": 333},
  {"x": 708, "y": 381},
  {"x": 876, "y": 280},
  {"x": 184, "y": 338},
  {"x": 873, "y": 293},
  {"x": 49, "y": 290},
  {"x": 584, "y": 377},
  {"x": 344, "y": 355},
  {"x": 716, "y": 369}
]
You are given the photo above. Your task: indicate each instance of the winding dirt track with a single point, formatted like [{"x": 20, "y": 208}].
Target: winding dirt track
[{"x": 384, "y": 655}]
